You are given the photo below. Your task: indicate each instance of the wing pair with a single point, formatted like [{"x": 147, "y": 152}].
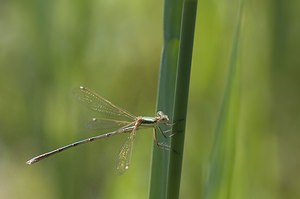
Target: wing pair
[{"x": 106, "y": 108}]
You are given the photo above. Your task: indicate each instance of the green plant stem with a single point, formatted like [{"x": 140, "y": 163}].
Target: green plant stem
[
  {"x": 181, "y": 96},
  {"x": 179, "y": 25},
  {"x": 166, "y": 93}
]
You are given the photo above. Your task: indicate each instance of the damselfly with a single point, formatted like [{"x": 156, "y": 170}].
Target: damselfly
[{"x": 129, "y": 124}]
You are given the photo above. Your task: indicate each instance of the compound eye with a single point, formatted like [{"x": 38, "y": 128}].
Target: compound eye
[
  {"x": 160, "y": 113},
  {"x": 162, "y": 117}
]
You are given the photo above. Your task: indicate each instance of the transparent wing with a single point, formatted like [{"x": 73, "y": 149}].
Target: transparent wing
[
  {"x": 101, "y": 124},
  {"x": 99, "y": 104},
  {"x": 125, "y": 153}
]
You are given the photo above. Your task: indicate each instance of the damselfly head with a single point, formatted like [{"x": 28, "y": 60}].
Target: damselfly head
[{"x": 161, "y": 117}]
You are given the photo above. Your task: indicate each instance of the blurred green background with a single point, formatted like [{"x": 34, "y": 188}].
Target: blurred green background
[{"x": 48, "y": 48}]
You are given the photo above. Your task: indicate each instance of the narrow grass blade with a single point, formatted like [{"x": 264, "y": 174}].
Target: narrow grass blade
[
  {"x": 181, "y": 96},
  {"x": 223, "y": 152},
  {"x": 166, "y": 92}
]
